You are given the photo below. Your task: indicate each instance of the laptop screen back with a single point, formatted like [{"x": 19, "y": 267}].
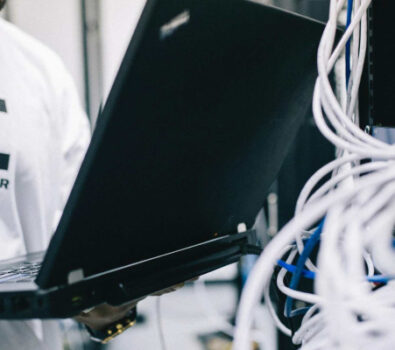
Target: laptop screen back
[{"x": 207, "y": 102}]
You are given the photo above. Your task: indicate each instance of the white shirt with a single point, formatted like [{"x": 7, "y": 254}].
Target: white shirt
[{"x": 44, "y": 134}]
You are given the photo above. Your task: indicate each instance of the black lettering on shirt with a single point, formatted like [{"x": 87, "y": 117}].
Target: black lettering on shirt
[
  {"x": 3, "y": 106},
  {"x": 4, "y": 183},
  {"x": 4, "y": 161}
]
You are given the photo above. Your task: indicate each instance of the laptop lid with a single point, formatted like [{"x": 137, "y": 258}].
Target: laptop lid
[{"x": 207, "y": 101}]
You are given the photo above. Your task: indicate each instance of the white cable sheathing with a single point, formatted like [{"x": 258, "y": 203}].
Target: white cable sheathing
[{"x": 346, "y": 311}]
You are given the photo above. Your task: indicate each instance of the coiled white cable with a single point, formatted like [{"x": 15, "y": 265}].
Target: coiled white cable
[{"x": 347, "y": 312}]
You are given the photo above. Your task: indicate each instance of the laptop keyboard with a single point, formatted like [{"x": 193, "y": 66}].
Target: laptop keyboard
[{"x": 21, "y": 272}]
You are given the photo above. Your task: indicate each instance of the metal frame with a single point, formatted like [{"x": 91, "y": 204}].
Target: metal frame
[{"x": 90, "y": 10}]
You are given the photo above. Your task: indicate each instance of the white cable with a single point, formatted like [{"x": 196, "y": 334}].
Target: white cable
[
  {"x": 358, "y": 203},
  {"x": 160, "y": 324},
  {"x": 331, "y": 184},
  {"x": 263, "y": 269},
  {"x": 266, "y": 293},
  {"x": 261, "y": 273},
  {"x": 307, "y": 297}
]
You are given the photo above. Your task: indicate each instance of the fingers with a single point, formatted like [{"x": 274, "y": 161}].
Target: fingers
[{"x": 103, "y": 315}]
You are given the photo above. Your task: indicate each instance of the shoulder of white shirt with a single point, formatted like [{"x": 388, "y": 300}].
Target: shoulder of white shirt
[{"x": 35, "y": 51}]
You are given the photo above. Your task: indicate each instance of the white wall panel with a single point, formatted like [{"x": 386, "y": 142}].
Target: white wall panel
[
  {"x": 117, "y": 23},
  {"x": 56, "y": 23}
]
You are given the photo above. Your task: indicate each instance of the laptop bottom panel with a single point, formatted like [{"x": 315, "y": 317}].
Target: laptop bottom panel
[{"x": 125, "y": 284}]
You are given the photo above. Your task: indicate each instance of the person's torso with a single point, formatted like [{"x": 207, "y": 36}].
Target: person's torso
[
  {"x": 30, "y": 155},
  {"x": 31, "y": 166}
]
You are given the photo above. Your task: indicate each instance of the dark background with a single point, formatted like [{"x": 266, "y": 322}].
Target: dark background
[{"x": 310, "y": 151}]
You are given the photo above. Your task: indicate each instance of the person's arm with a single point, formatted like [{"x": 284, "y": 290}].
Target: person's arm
[{"x": 102, "y": 316}]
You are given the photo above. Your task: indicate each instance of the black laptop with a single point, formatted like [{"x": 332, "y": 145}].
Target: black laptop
[{"x": 206, "y": 104}]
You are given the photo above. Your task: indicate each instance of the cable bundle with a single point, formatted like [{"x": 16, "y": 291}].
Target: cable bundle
[{"x": 353, "y": 303}]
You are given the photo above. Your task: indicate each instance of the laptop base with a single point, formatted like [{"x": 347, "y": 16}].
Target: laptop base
[{"x": 126, "y": 283}]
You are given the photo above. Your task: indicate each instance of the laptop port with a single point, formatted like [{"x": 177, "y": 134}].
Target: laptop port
[{"x": 77, "y": 300}]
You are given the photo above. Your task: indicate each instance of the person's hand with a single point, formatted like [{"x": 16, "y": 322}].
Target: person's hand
[{"x": 104, "y": 315}]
